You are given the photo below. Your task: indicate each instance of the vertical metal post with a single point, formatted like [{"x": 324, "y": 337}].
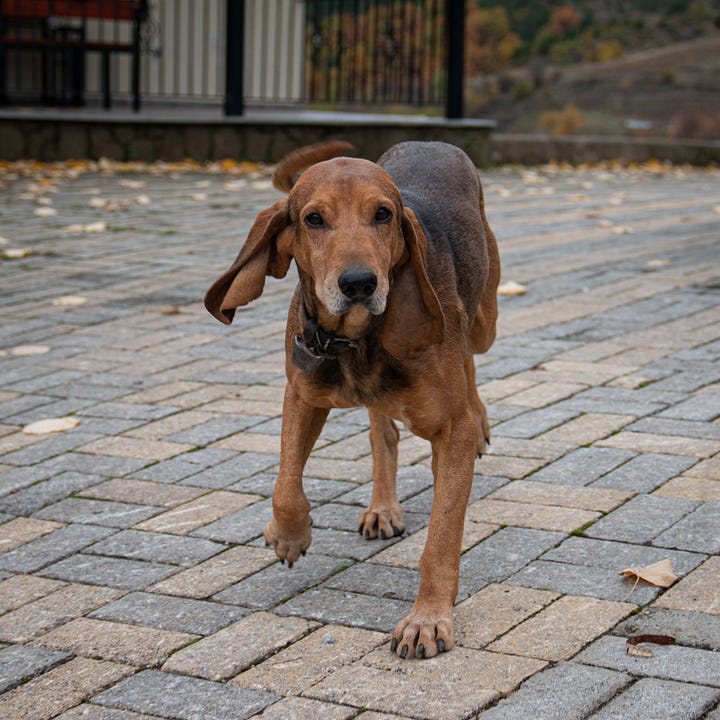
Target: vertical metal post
[
  {"x": 235, "y": 21},
  {"x": 455, "y": 57}
]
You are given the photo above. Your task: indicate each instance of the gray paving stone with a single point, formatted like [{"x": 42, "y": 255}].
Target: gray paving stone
[
  {"x": 502, "y": 554},
  {"x": 350, "y": 544},
  {"x": 198, "y": 617},
  {"x": 45, "y": 449},
  {"x": 241, "y": 526},
  {"x": 410, "y": 482},
  {"x": 51, "y": 547},
  {"x": 641, "y": 519},
  {"x": 670, "y": 662},
  {"x": 129, "y": 411},
  {"x": 276, "y": 583},
  {"x": 580, "y": 580},
  {"x": 649, "y": 699},
  {"x": 698, "y": 407},
  {"x": 45, "y": 492},
  {"x": 156, "y": 547},
  {"x": 618, "y": 556},
  {"x": 644, "y": 473},
  {"x": 113, "y": 572},
  {"x": 700, "y": 530},
  {"x": 183, "y": 466},
  {"x": 582, "y": 466},
  {"x": 346, "y": 608},
  {"x": 19, "y": 663},
  {"x": 17, "y": 478},
  {"x": 534, "y": 422},
  {"x": 183, "y": 698},
  {"x": 568, "y": 691},
  {"x": 482, "y": 486},
  {"x": 229, "y": 472},
  {"x": 213, "y": 430},
  {"x": 107, "y": 465},
  {"x": 619, "y": 401},
  {"x": 692, "y": 629},
  {"x": 671, "y": 426},
  {"x": 98, "y": 512},
  {"x": 377, "y": 580}
]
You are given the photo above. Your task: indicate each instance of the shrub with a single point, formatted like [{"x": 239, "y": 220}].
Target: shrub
[{"x": 562, "y": 122}]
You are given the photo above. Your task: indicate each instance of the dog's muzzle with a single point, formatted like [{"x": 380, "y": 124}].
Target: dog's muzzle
[{"x": 358, "y": 285}]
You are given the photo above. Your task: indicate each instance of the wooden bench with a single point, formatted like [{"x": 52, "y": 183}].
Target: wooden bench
[{"x": 53, "y": 26}]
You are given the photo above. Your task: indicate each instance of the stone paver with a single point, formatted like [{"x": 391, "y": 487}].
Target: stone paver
[{"x": 134, "y": 580}]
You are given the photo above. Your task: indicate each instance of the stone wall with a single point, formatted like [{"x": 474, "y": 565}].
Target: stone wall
[{"x": 48, "y": 137}]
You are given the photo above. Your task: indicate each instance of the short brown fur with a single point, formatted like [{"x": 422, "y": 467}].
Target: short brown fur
[{"x": 399, "y": 269}]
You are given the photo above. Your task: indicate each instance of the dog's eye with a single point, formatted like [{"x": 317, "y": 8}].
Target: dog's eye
[
  {"x": 314, "y": 220},
  {"x": 382, "y": 214}
]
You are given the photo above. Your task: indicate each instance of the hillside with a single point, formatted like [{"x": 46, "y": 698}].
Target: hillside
[{"x": 672, "y": 90}]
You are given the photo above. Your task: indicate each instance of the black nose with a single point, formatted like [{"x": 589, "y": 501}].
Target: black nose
[{"x": 357, "y": 284}]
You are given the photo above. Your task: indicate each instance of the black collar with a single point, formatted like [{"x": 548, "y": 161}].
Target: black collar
[{"x": 316, "y": 347}]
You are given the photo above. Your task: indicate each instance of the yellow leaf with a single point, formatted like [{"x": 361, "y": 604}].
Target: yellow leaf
[
  {"x": 69, "y": 301},
  {"x": 659, "y": 573},
  {"x": 51, "y": 425},
  {"x": 511, "y": 288}
]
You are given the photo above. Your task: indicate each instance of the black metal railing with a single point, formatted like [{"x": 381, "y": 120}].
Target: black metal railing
[{"x": 376, "y": 52}]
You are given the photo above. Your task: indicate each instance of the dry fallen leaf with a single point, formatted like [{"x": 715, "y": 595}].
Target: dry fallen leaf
[
  {"x": 95, "y": 227},
  {"x": 634, "y": 648},
  {"x": 45, "y": 211},
  {"x": 16, "y": 253},
  {"x": 659, "y": 574},
  {"x": 27, "y": 350},
  {"x": 142, "y": 200},
  {"x": 69, "y": 301},
  {"x": 511, "y": 288},
  {"x": 51, "y": 425}
]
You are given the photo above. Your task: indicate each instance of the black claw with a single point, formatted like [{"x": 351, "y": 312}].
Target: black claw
[
  {"x": 282, "y": 561},
  {"x": 394, "y": 644},
  {"x": 404, "y": 651},
  {"x": 398, "y": 532},
  {"x": 421, "y": 651},
  {"x": 304, "y": 553},
  {"x": 360, "y": 529},
  {"x": 290, "y": 565},
  {"x": 367, "y": 534},
  {"x": 441, "y": 646},
  {"x": 382, "y": 535}
]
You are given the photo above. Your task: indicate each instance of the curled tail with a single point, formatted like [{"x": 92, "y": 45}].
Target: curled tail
[{"x": 296, "y": 161}]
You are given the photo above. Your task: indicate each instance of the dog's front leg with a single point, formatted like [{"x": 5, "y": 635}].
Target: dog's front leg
[
  {"x": 289, "y": 530},
  {"x": 428, "y": 629},
  {"x": 384, "y": 516}
]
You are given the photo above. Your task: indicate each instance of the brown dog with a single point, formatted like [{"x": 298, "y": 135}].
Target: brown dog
[{"x": 398, "y": 274}]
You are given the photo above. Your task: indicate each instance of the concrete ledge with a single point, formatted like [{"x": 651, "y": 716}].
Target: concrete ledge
[
  {"x": 49, "y": 135},
  {"x": 535, "y": 149},
  {"x": 260, "y": 137}
]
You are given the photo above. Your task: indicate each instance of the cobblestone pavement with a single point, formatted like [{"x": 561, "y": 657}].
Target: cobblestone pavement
[{"x": 134, "y": 582}]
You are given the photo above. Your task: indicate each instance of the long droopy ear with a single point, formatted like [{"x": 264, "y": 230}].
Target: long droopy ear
[
  {"x": 414, "y": 318},
  {"x": 267, "y": 251}
]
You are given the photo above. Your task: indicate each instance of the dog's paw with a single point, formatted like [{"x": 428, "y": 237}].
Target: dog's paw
[
  {"x": 289, "y": 543},
  {"x": 382, "y": 521},
  {"x": 422, "y": 635}
]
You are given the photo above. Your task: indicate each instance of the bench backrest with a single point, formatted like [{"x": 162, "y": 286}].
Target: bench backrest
[{"x": 100, "y": 9}]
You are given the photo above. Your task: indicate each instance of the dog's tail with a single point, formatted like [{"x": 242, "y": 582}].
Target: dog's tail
[{"x": 288, "y": 169}]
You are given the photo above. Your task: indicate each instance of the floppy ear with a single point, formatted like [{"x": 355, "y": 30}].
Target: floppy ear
[
  {"x": 267, "y": 251},
  {"x": 414, "y": 319}
]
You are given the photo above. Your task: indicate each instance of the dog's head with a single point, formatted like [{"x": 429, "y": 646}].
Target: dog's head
[{"x": 356, "y": 245}]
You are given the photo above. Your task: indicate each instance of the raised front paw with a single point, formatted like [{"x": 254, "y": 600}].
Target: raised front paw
[
  {"x": 289, "y": 542},
  {"x": 423, "y": 634},
  {"x": 383, "y": 521}
]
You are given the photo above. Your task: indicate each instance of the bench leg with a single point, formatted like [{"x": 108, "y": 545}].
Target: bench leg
[{"x": 107, "y": 102}]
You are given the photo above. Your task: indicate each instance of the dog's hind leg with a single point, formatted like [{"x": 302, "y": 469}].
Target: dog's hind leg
[
  {"x": 481, "y": 418},
  {"x": 289, "y": 530},
  {"x": 384, "y": 517}
]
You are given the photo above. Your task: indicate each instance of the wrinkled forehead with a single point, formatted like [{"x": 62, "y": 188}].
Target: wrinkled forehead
[{"x": 342, "y": 180}]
